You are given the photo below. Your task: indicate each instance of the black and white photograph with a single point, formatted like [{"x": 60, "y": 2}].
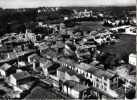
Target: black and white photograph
[{"x": 68, "y": 49}]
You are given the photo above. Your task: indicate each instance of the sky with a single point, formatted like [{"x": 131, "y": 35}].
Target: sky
[{"x": 58, "y": 3}]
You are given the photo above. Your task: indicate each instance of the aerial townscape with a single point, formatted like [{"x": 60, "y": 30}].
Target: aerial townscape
[{"x": 68, "y": 53}]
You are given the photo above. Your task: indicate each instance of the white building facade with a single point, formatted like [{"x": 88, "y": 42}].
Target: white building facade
[{"x": 132, "y": 59}]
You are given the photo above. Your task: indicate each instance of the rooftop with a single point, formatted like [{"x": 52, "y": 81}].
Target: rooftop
[
  {"x": 105, "y": 74},
  {"x": 70, "y": 72},
  {"x": 133, "y": 55},
  {"x": 21, "y": 75},
  {"x": 5, "y": 66},
  {"x": 68, "y": 61}
]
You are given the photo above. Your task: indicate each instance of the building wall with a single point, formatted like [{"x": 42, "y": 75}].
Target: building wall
[
  {"x": 2, "y": 73},
  {"x": 12, "y": 80},
  {"x": 74, "y": 93},
  {"x": 71, "y": 92},
  {"x": 69, "y": 77},
  {"x": 103, "y": 84},
  {"x": 44, "y": 69},
  {"x": 132, "y": 60},
  {"x": 61, "y": 75}
]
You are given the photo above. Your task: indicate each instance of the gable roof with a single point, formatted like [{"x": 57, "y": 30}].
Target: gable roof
[
  {"x": 47, "y": 63},
  {"x": 5, "y": 66},
  {"x": 21, "y": 75}
]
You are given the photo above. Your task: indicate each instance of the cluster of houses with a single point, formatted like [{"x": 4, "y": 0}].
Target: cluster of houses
[
  {"x": 126, "y": 29},
  {"x": 119, "y": 22},
  {"x": 66, "y": 59}
]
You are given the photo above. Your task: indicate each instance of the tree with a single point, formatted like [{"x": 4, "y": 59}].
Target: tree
[
  {"x": 109, "y": 60},
  {"x": 131, "y": 93}
]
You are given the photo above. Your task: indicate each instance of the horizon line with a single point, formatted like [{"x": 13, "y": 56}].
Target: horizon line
[{"x": 73, "y": 6}]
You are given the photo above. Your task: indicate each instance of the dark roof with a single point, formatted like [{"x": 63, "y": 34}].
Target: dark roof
[
  {"x": 68, "y": 61},
  {"x": 21, "y": 75},
  {"x": 50, "y": 52},
  {"x": 105, "y": 74}
]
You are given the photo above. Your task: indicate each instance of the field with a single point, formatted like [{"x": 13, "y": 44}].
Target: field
[
  {"x": 88, "y": 26},
  {"x": 126, "y": 45}
]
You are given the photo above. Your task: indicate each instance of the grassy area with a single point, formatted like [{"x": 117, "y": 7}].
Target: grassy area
[
  {"x": 89, "y": 26},
  {"x": 127, "y": 44}
]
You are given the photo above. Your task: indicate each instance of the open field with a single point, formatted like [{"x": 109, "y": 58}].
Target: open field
[
  {"x": 127, "y": 44},
  {"x": 89, "y": 26}
]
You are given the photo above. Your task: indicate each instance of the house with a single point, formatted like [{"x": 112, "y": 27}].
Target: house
[
  {"x": 102, "y": 80},
  {"x": 32, "y": 57},
  {"x": 85, "y": 51},
  {"x": 69, "y": 49},
  {"x": 49, "y": 53},
  {"x": 59, "y": 46},
  {"x": 34, "y": 60},
  {"x": 6, "y": 69},
  {"x": 74, "y": 89},
  {"x": 132, "y": 59},
  {"x": 49, "y": 67},
  {"x": 19, "y": 78},
  {"x": 25, "y": 66},
  {"x": 45, "y": 64},
  {"x": 64, "y": 74}
]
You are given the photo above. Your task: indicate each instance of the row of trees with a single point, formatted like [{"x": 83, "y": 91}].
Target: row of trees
[{"x": 15, "y": 21}]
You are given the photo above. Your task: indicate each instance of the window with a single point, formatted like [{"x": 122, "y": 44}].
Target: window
[
  {"x": 97, "y": 80},
  {"x": 90, "y": 75},
  {"x": 86, "y": 74},
  {"x": 105, "y": 84},
  {"x": 102, "y": 87}
]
